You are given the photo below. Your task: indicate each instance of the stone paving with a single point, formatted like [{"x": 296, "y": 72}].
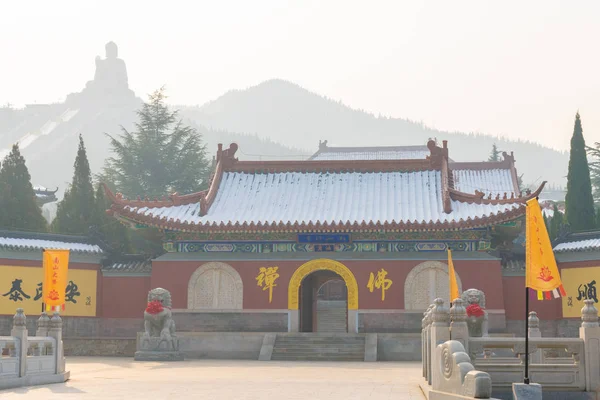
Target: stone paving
[{"x": 122, "y": 378}]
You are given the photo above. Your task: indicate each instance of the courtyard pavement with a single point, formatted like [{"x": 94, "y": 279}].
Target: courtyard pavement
[{"x": 122, "y": 378}]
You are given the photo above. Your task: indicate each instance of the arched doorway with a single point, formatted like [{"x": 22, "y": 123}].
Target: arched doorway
[
  {"x": 323, "y": 297},
  {"x": 323, "y": 303}
]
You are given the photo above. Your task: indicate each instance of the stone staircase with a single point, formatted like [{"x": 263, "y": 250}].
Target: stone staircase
[
  {"x": 331, "y": 316},
  {"x": 319, "y": 347}
]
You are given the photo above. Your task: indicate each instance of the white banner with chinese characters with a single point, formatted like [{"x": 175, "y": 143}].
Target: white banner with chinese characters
[{"x": 21, "y": 287}]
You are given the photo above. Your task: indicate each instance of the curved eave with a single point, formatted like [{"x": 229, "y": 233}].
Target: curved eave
[
  {"x": 480, "y": 199},
  {"x": 172, "y": 200},
  {"x": 177, "y": 225}
]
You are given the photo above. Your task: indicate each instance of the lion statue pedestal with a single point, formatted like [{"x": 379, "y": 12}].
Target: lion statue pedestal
[{"x": 158, "y": 341}]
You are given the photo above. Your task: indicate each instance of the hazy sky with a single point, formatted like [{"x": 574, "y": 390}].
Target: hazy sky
[{"x": 513, "y": 68}]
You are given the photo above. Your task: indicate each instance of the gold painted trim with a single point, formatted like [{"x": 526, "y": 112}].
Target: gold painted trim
[{"x": 323, "y": 264}]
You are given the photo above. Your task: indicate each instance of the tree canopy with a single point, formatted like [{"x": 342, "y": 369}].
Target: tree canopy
[
  {"x": 580, "y": 212},
  {"x": 75, "y": 211},
  {"x": 160, "y": 157},
  {"x": 494, "y": 154},
  {"x": 18, "y": 208}
]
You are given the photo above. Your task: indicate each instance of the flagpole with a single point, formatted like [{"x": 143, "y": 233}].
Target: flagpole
[{"x": 526, "y": 380}]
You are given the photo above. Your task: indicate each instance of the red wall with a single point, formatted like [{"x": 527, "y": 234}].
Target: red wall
[
  {"x": 514, "y": 301},
  {"x": 484, "y": 275},
  {"x": 124, "y": 297}
]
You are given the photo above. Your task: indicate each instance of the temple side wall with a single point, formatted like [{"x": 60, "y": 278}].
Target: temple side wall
[{"x": 124, "y": 296}]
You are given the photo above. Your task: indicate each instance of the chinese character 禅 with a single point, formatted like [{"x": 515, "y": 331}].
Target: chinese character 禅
[{"x": 266, "y": 279}]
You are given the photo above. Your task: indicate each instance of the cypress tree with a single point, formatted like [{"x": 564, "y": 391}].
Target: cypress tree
[
  {"x": 495, "y": 154},
  {"x": 75, "y": 211},
  {"x": 18, "y": 207},
  {"x": 555, "y": 223},
  {"x": 580, "y": 212}
]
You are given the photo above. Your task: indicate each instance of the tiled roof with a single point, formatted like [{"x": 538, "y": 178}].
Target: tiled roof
[
  {"x": 326, "y": 153},
  {"x": 334, "y": 195},
  {"x": 580, "y": 245},
  {"x": 16, "y": 241},
  {"x": 419, "y": 152},
  {"x": 488, "y": 181},
  {"x": 327, "y": 198},
  {"x": 133, "y": 266}
]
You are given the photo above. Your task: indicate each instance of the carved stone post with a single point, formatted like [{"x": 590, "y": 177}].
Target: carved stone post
[
  {"x": 534, "y": 332},
  {"x": 55, "y": 331},
  {"x": 425, "y": 322},
  {"x": 590, "y": 333},
  {"x": 459, "y": 330},
  {"x": 440, "y": 333},
  {"x": 19, "y": 331},
  {"x": 43, "y": 324}
]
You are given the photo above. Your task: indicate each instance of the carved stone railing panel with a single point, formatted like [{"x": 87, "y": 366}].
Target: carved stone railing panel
[
  {"x": 42, "y": 356},
  {"x": 9, "y": 362}
]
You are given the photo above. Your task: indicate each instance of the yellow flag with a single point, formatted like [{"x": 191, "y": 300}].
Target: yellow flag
[
  {"x": 541, "y": 272},
  {"x": 56, "y": 266},
  {"x": 454, "y": 294}
]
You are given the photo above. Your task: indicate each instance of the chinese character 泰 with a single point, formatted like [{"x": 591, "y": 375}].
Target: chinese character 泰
[
  {"x": 379, "y": 282},
  {"x": 38, "y": 292},
  {"x": 71, "y": 292},
  {"x": 266, "y": 279},
  {"x": 587, "y": 292},
  {"x": 16, "y": 291}
]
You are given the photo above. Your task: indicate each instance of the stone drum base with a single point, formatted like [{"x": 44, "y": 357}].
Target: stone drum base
[{"x": 145, "y": 355}]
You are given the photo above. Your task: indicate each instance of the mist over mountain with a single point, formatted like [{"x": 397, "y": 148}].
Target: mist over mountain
[
  {"x": 273, "y": 120},
  {"x": 288, "y": 114}
]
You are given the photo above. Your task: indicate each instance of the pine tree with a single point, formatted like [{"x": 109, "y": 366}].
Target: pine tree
[
  {"x": 580, "y": 211},
  {"x": 161, "y": 157},
  {"x": 75, "y": 211},
  {"x": 113, "y": 233},
  {"x": 495, "y": 154},
  {"x": 555, "y": 223},
  {"x": 18, "y": 208}
]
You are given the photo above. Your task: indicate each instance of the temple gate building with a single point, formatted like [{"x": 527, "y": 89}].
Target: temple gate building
[{"x": 349, "y": 240}]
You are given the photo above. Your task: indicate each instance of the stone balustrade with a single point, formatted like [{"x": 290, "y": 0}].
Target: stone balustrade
[
  {"x": 32, "y": 360},
  {"x": 558, "y": 364}
]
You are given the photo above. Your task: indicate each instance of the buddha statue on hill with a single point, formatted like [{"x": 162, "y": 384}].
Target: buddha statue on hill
[
  {"x": 111, "y": 72},
  {"x": 110, "y": 78}
]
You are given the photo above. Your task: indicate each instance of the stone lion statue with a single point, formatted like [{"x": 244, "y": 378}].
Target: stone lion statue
[
  {"x": 158, "y": 320},
  {"x": 477, "y": 316}
]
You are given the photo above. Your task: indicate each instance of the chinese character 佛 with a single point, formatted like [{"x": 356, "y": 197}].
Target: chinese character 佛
[
  {"x": 266, "y": 279},
  {"x": 379, "y": 282},
  {"x": 16, "y": 291},
  {"x": 71, "y": 291},
  {"x": 587, "y": 292}
]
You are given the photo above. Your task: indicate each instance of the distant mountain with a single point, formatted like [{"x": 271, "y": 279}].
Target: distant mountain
[
  {"x": 273, "y": 120},
  {"x": 286, "y": 113}
]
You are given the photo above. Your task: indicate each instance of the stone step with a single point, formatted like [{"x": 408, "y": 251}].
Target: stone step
[
  {"x": 317, "y": 358},
  {"x": 321, "y": 342},
  {"x": 312, "y": 357},
  {"x": 319, "y": 347}
]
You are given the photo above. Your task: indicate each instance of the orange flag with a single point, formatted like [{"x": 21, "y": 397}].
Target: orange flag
[
  {"x": 454, "y": 294},
  {"x": 56, "y": 267},
  {"x": 541, "y": 272}
]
